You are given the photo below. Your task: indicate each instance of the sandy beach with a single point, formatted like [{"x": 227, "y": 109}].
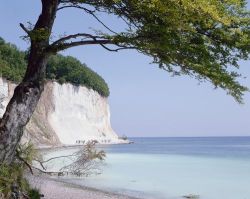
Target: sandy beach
[{"x": 53, "y": 189}]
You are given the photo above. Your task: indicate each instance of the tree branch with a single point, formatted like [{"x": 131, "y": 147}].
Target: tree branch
[
  {"x": 102, "y": 43},
  {"x": 24, "y": 28},
  {"x": 62, "y": 44},
  {"x": 91, "y": 12},
  {"x": 24, "y": 161},
  {"x": 47, "y": 172},
  {"x": 74, "y": 36},
  {"x": 117, "y": 49},
  {"x": 64, "y": 156}
]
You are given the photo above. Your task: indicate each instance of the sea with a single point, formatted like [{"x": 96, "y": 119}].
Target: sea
[{"x": 170, "y": 168}]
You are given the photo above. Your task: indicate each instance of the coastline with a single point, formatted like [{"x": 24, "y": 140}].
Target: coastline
[
  {"x": 70, "y": 146},
  {"x": 54, "y": 189}
]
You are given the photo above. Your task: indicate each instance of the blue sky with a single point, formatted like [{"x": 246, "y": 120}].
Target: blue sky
[{"x": 144, "y": 100}]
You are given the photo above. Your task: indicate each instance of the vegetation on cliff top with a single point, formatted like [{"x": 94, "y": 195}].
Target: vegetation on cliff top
[{"x": 61, "y": 68}]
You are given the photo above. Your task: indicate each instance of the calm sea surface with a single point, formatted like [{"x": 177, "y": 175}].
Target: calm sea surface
[{"x": 159, "y": 168}]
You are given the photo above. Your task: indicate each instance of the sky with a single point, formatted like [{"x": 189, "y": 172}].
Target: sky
[{"x": 144, "y": 100}]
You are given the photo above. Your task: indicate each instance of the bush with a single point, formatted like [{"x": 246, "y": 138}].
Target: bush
[
  {"x": 12, "y": 181},
  {"x": 12, "y": 175},
  {"x": 34, "y": 194}
]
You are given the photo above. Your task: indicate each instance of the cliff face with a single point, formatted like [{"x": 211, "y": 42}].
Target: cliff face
[{"x": 65, "y": 114}]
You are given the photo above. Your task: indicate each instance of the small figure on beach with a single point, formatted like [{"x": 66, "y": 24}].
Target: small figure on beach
[{"x": 191, "y": 196}]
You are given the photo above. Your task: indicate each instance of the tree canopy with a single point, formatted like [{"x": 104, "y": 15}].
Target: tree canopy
[
  {"x": 13, "y": 63},
  {"x": 201, "y": 38},
  {"x": 69, "y": 69}
]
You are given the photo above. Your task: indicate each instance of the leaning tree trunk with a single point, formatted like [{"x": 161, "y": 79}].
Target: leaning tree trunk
[
  {"x": 28, "y": 92},
  {"x": 19, "y": 111}
]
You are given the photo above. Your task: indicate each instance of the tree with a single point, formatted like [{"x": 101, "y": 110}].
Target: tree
[
  {"x": 200, "y": 38},
  {"x": 84, "y": 162}
]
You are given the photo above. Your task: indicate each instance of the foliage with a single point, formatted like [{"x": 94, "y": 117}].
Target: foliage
[
  {"x": 201, "y": 38},
  {"x": 27, "y": 152},
  {"x": 34, "y": 194},
  {"x": 10, "y": 175},
  {"x": 63, "y": 69},
  {"x": 68, "y": 69},
  {"x": 12, "y": 62},
  {"x": 86, "y": 161}
]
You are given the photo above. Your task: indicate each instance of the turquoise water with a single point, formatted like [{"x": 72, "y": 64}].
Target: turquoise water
[{"x": 158, "y": 168}]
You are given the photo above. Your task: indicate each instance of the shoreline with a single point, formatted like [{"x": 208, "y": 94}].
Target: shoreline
[
  {"x": 65, "y": 146},
  {"x": 54, "y": 189}
]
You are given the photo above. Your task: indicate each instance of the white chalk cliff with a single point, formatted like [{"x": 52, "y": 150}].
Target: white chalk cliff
[{"x": 65, "y": 115}]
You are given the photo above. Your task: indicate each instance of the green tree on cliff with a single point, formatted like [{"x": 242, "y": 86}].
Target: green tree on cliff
[
  {"x": 200, "y": 38},
  {"x": 63, "y": 69}
]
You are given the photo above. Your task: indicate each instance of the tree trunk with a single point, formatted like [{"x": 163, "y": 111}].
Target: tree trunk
[
  {"x": 18, "y": 113},
  {"x": 28, "y": 92}
]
